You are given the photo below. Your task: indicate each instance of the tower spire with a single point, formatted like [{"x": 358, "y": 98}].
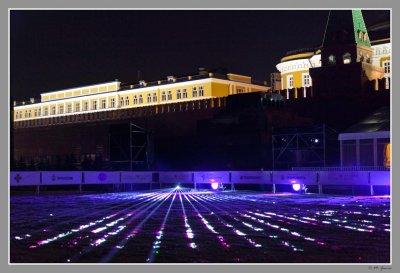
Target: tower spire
[{"x": 345, "y": 27}]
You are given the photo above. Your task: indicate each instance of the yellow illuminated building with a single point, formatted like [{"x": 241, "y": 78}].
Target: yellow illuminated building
[{"x": 112, "y": 95}]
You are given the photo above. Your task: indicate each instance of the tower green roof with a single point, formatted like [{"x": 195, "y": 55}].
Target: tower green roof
[{"x": 346, "y": 27}]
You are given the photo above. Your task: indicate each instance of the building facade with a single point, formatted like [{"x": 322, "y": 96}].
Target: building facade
[
  {"x": 114, "y": 95},
  {"x": 295, "y": 66}
]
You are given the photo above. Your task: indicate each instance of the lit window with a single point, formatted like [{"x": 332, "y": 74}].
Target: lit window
[
  {"x": 53, "y": 110},
  {"x": 148, "y": 98},
  {"x": 35, "y": 113},
  {"x": 332, "y": 60},
  {"x": 61, "y": 109},
  {"x": 94, "y": 106},
  {"x": 201, "y": 91},
  {"x": 290, "y": 82},
  {"x": 29, "y": 113},
  {"x": 69, "y": 108},
  {"x": 112, "y": 102},
  {"x": 347, "y": 58},
  {"x": 169, "y": 95},
  {"x": 103, "y": 104},
  {"x": 134, "y": 99},
  {"x": 122, "y": 101},
  {"x": 239, "y": 90},
  {"x": 39, "y": 112},
  {"x": 154, "y": 97},
  {"x": 178, "y": 94},
  {"x": 140, "y": 99},
  {"x": 387, "y": 83},
  {"x": 184, "y": 94},
  {"x": 46, "y": 111},
  {"x": 127, "y": 101},
  {"x": 194, "y": 90},
  {"x": 306, "y": 80},
  {"x": 77, "y": 107},
  {"x": 163, "y": 96},
  {"x": 85, "y": 106}
]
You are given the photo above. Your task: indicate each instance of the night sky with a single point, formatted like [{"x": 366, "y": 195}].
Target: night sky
[{"x": 58, "y": 49}]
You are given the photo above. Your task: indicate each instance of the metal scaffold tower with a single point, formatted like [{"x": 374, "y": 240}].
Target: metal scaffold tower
[
  {"x": 302, "y": 147},
  {"x": 139, "y": 146}
]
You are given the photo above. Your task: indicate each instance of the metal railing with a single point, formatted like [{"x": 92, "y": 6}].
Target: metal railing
[{"x": 348, "y": 168}]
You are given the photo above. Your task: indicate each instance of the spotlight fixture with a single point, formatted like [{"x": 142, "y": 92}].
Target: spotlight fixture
[
  {"x": 296, "y": 187},
  {"x": 214, "y": 185}
]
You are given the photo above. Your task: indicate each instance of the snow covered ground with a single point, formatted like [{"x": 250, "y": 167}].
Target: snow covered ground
[{"x": 183, "y": 226}]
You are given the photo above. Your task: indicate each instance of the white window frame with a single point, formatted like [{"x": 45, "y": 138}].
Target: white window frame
[
  {"x": 169, "y": 96},
  {"x": 306, "y": 79},
  {"x": 140, "y": 99},
  {"x": 112, "y": 102},
  {"x": 194, "y": 92},
  {"x": 184, "y": 93},
  {"x": 290, "y": 81},
  {"x": 386, "y": 66},
  {"x": 201, "y": 91},
  {"x": 178, "y": 94},
  {"x": 148, "y": 98}
]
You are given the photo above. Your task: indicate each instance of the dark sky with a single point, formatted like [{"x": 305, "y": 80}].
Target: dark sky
[{"x": 53, "y": 50}]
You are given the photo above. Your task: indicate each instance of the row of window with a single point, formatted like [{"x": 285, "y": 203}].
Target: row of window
[
  {"x": 384, "y": 51},
  {"x": 124, "y": 101},
  {"x": 306, "y": 81}
]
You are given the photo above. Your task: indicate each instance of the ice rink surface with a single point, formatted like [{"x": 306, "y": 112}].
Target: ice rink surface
[{"x": 183, "y": 226}]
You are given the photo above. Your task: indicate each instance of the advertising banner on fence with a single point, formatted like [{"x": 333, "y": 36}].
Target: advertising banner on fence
[
  {"x": 101, "y": 178},
  {"x": 247, "y": 177},
  {"x": 176, "y": 177},
  {"x": 294, "y": 177},
  {"x": 61, "y": 178},
  {"x": 209, "y": 177},
  {"x": 136, "y": 177},
  {"x": 24, "y": 178},
  {"x": 344, "y": 178},
  {"x": 381, "y": 178}
]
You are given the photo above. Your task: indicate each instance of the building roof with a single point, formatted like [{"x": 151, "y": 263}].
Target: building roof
[
  {"x": 376, "y": 125},
  {"x": 377, "y": 121}
]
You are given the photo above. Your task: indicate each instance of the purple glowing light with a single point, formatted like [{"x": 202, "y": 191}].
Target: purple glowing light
[
  {"x": 296, "y": 187},
  {"x": 214, "y": 185}
]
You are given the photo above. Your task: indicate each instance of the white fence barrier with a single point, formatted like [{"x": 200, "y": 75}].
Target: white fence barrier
[
  {"x": 61, "y": 178},
  {"x": 176, "y": 177},
  {"x": 101, "y": 178},
  {"x": 249, "y": 177},
  {"x": 322, "y": 178},
  {"x": 24, "y": 178},
  {"x": 209, "y": 177},
  {"x": 344, "y": 178},
  {"x": 294, "y": 177},
  {"x": 381, "y": 178},
  {"x": 136, "y": 177}
]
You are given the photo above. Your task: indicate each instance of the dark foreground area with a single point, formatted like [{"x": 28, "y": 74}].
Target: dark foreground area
[{"x": 179, "y": 226}]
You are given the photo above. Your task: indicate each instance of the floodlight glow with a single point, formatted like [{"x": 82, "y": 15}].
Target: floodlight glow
[
  {"x": 177, "y": 187},
  {"x": 296, "y": 187},
  {"x": 316, "y": 140},
  {"x": 214, "y": 185}
]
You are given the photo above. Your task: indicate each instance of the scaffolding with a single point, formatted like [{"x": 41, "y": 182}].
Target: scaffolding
[{"x": 303, "y": 147}]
